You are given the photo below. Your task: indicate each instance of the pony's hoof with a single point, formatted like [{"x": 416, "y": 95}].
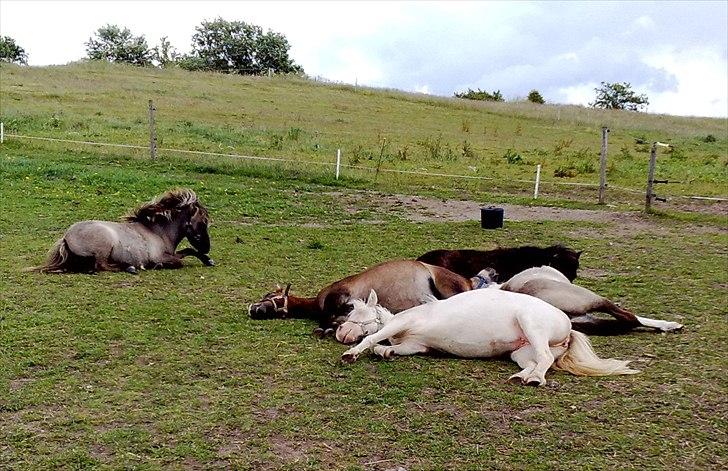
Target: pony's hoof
[
  {"x": 132, "y": 269},
  {"x": 328, "y": 332},
  {"x": 534, "y": 382},
  {"x": 348, "y": 358},
  {"x": 318, "y": 332},
  {"x": 209, "y": 262},
  {"x": 515, "y": 379}
]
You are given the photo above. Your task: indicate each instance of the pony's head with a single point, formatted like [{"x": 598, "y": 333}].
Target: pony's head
[
  {"x": 274, "y": 305},
  {"x": 181, "y": 207},
  {"x": 485, "y": 278},
  {"x": 565, "y": 260},
  {"x": 365, "y": 319}
]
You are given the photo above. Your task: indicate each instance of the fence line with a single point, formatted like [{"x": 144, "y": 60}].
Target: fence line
[{"x": 356, "y": 167}]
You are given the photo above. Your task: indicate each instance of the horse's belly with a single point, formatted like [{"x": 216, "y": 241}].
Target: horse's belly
[{"x": 477, "y": 346}]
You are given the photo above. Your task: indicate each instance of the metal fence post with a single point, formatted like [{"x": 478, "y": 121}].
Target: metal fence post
[
  {"x": 152, "y": 132},
  {"x": 603, "y": 166}
]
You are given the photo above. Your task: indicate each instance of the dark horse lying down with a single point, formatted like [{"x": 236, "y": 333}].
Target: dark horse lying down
[
  {"x": 507, "y": 262},
  {"x": 147, "y": 238}
]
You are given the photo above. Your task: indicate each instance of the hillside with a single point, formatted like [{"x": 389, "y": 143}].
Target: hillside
[{"x": 293, "y": 118}]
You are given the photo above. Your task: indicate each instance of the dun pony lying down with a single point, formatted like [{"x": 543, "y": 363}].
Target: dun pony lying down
[
  {"x": 479, "y": 324},
  {"x": 552, "y": 286}
]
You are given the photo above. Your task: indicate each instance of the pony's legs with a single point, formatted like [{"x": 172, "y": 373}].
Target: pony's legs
[
  {"x": 404, "y": 348},
  {"x": 390, "y": 330},
  {"x": 525, "y": 357},
  {"x": 538, "y": 338},
  {"x": 665, "y": 326}
]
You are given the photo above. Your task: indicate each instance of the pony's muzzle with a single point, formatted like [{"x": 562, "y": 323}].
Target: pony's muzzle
[{"x": 348, "y": 332}]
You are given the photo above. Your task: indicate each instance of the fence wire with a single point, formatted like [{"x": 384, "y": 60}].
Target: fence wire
[{"x": 355, "y": 167}]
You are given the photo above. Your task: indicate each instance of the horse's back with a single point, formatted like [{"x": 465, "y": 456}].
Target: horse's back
[
  {"x": 117, "y": 241},
  {"x": 481, "y": 323}
]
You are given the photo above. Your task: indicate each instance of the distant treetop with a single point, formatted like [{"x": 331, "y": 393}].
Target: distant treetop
[
  {"x": 481, "y": 95},
  {"x": 114, "y": 44},
  {"x": 11, "y": 52},
  {"x": 618, "y": 96}
]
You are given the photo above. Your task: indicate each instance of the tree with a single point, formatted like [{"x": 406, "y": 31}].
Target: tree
[
  {"x": 238, "y": 47},
  {"x": 480, "y": 95},
  {"x": 114, "y": 44},
  {"x": 535, "y": 97},
  {"x": 165, "y": 54},
  {"x": 11, "y": 52},
  {"x": 618, "y": 96}
]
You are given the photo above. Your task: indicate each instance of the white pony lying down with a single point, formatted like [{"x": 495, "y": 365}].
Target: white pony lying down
[
  {"x": 482, "y": 323},
  {"x": 552, "y": 286}
]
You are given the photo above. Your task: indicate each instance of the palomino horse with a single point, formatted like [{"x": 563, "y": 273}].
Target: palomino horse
[
  {"x": 401, "y": 284},
  {"x": 507, "y": 262},
  {"x": 147, "y": 238},
  {"x": 484, "y": 323},
  {"x": 552, "y": 286}
]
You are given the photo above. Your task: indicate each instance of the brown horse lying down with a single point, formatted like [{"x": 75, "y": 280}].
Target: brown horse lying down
[
  {"x": 400, "y": 284},
  {"x": 552, "y": 286},
  {"x": 507, "y": 262}
]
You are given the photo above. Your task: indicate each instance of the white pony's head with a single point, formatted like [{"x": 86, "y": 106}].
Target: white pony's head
[{"x": 365, "y": 319}]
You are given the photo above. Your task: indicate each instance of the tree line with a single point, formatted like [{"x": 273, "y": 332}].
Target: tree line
[
  {"x": 234, "y": 47},
  {"x": 237, "y": 47}
]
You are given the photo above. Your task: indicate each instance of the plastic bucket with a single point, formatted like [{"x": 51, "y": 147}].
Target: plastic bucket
[{"x": 491, "y": 217}]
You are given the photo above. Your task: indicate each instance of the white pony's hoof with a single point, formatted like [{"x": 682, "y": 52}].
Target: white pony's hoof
[
  {"x": 671, "y": 327},
  {"x": 348, "y": 358}
]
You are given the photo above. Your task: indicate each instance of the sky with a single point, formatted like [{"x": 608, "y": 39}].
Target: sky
[{"x": 674, "y": 52}]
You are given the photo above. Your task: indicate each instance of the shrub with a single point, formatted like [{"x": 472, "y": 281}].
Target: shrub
[
  {"x": 114, "y": 44},
  {"x": 512, "y": 157},
  {"x": 709, "y": 138},
  {"x": 481, "y": 95},
  {"x": 11, "y": 52},
  {"x": 535, "y": 97}
]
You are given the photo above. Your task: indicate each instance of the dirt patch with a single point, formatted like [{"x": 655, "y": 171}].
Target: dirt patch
[
  {"x": 287, "y": 451},
  {"x": 427, "y": 209},
  {"x": 19, "y": 383}
]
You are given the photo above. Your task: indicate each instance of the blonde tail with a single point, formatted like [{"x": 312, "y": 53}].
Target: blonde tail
[
  {"x": 57, "y": 258},
  {"x": 581, "y": 360}
]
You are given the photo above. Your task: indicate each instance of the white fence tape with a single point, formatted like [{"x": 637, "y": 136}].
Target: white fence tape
[{"x": 356, "y": 167}]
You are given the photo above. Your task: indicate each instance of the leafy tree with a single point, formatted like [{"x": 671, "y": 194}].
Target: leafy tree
[
  {"x": 535, "y": 97},
  {"x": 480, "y": 95},
  {"x": 238, "y": 47},
  {"x": 11, "y": 52},
  {"x": 165, "y": 54},
  {"x": 619, "y": 96},
  {"x": 114, "y": 44}
]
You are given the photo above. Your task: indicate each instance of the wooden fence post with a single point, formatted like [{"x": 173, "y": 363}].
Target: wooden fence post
[
  {"x": 152, "y": 132},
  {"x": 650, "y": 178},
  {"x": 603, "y": 165}
]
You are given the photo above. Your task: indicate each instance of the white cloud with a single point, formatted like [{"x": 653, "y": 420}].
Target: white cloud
[{"x": 423, "y": 89}]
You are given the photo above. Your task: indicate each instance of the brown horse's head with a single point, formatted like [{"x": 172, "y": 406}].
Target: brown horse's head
[
  {"x": 179, "y": 206},
  {"x": 274, "y": 305}
]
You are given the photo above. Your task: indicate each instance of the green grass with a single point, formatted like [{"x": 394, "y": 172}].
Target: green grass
[
  {"x": 303, "y": 120},
  {"x": 166, "y": 370}
]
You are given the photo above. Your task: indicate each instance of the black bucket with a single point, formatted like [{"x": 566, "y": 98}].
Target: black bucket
[{"x": 491, "y": 217}]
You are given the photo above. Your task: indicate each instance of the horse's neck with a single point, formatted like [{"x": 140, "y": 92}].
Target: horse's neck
[
  {"x": 384, "y": 314},
  {"x": 303, "y": 308},
  {"x": 170, "y": 232}
]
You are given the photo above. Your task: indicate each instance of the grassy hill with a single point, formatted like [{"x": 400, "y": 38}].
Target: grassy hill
[{"x": 293, "y": 118}]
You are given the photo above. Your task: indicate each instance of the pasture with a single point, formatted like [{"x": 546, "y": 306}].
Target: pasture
[{"x": 166, "y": 370}]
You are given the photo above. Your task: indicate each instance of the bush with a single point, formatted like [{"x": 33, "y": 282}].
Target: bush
[
  {"x": 512, "y": 157},
  {"x": 535, "y": 97},
  {"x": 709, "y": 138},
  {"x": 481, "y": 95}
]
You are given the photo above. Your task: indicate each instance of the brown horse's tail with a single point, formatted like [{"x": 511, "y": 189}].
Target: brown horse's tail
[{"x": 57, "y": 260}]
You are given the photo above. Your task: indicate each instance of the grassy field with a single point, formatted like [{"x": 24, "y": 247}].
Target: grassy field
[
  {"x": 166, "y": 370},
  {"x": 297, "y": 119}
]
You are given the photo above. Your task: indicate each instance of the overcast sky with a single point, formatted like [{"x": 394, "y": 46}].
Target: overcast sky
[{"x": 675, "y": 52}]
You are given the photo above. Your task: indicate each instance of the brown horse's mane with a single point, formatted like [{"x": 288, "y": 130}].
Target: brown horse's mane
[{"x": 166, "y": 205}]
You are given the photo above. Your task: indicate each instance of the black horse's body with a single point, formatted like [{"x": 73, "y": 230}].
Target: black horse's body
[{"x": 507, "y": 262}]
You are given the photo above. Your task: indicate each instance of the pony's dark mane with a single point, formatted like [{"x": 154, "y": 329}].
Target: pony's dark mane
[{"x": 165, "y": 205}]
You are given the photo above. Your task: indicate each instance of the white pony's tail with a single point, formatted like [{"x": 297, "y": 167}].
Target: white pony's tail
[{"x": 581, "y": 360}]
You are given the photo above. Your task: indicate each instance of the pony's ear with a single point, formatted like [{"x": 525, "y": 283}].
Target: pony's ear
[
  {"x": 578, "y": 254},
  {"x": 288, "y": 287},
  {"x": 372, "y": 299}
]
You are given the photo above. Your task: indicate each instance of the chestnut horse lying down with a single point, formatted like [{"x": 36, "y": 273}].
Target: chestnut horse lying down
[
  {"x": 484, "y": 323},
  {"x": 507, "y": 262},
  {"x": 552, "y": 286},
  {"x": 402, "y": 284}
]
